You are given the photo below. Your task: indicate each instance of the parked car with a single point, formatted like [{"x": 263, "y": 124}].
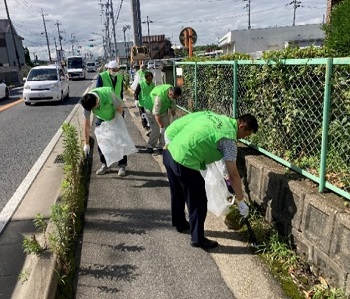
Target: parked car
[
  {"x": 4, "y": 90},
  {"x": 45, "y": 84}
]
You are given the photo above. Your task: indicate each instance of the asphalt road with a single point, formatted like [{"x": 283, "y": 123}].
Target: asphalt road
[{"x": 25, "y": 131}]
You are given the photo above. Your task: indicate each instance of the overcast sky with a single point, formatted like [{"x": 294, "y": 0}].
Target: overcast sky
[{"x": 211, "y": 19}]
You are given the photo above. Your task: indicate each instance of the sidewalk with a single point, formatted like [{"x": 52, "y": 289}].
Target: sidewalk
[{"x": 130, "y": 250}]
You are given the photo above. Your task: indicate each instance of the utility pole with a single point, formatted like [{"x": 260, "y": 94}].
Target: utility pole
[
  {"x": 125, "y": 46},
  {"x": 136, "y": 20},
  {"x": 72, "y": 41},
  {"x": 147, "y": 22},
  {"x": 113, "y": 28},
  {"x": 13, "y": 36},
  {"x": 295, "y": 4},
  {"x": 59, "y": 34},
  {"x": 248, "y": 6},
  {"x": 57, "y": 58},
  {"x": 47, "y": 39},
  {"x": 107, "y": 30}
]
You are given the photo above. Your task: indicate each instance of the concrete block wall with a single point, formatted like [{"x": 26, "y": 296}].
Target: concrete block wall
[{"x": 318, "y": 224}]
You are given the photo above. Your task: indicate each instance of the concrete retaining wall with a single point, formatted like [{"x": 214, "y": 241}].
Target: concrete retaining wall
[{"x": 319, "y": 224}]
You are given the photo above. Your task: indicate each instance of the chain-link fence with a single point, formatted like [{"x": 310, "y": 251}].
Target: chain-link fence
[{"x": 302, "y": 106}]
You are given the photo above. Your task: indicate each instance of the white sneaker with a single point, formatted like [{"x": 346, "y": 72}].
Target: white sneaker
[
  {"x": 102, "y": 170},
  {"x": 121, "y": 171}
]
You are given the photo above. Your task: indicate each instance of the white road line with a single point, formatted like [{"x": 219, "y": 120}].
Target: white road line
[{"x": 22, "y": 190}]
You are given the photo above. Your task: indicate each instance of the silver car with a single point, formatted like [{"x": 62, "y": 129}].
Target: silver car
[{"x": 45, "y": 84}]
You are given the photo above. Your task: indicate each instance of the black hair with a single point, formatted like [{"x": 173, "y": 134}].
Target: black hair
[
  {"x": 177, "y": 91},
  {"x": 250, "y": 121},
  {"x": 88, "y": 101},
  {"x": 147, "y": 74}
]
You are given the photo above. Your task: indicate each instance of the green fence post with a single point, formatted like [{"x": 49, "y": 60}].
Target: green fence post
[
  {"x": 235, "y": 88},
  {"x": 174, "y": 72},
  {"x": 325, "y": 124},
  {"x": 195, "y": 87}
]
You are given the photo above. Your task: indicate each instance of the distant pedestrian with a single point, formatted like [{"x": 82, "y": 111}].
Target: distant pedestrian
[
  {"x": 103, "y": 103},
  {"x": 142, "y": 71},
  {"x": 194, "y": 141},
  {"x": 142, "y": 91},
  {"x": 114, "y": 79},
  {"x": 162, "y": 98}
]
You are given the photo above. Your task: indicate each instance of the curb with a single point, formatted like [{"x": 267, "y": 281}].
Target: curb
[{"x": 43, "y": 278}]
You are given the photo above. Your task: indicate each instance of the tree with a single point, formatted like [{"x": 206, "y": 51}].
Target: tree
[
  {"x": 27, "y": 56},
  {"x": 337, "y": 31}
]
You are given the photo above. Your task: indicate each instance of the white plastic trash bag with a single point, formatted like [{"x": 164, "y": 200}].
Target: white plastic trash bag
[
  {"x": 136, "y": 81},
  {"x": 216, "y": 191},
  {"x": 114, "y": 140}
]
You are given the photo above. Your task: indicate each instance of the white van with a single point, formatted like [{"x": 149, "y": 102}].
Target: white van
[
  {"x": 45, "y": 84},
  {"x": 91, "y": 66}
]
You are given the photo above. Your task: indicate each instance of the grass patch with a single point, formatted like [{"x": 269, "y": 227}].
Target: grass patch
[{"x": 289, "y": 269}]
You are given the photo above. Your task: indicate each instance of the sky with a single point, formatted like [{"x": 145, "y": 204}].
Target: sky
[{"x": 211, "y": 20}]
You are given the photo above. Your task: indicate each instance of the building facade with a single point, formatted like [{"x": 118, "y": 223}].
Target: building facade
[
  {"x": 7, "y": 48},
  {"x": 255, "y": 41}
]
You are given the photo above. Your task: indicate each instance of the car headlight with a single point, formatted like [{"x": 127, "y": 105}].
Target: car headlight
[
  {"x": 26, "y": 87},
  {"x": 55, "y": 85}
]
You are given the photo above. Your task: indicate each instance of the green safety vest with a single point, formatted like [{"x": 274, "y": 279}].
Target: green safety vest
[
  {"x": 145, "y": 92},
  {"x": 162, "y": 92},
  {"x": 107, "y": 81},
  {"x": 195, "y": 146},
  {"x": 106, "y": 109},
  {"x": 141, "y": 74},
  {"x": 180, "y": 123}
]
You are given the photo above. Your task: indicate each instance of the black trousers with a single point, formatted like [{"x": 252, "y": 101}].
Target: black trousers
[
  {"x": 187, "y": 186},
  {"x": 123, "y": 161}
]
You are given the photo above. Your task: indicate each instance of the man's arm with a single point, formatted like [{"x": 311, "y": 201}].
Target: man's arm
[
  {"x": 99, "y": 82},
  {"x": 87, "y": 128},
  {"x": 235, "y": 179},
  {"x": 156, "y": 109},
  {"x": 137, "y": 92},
  {"x": 118, "y": 103}
]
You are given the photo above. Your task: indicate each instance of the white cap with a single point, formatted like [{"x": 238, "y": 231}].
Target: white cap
[{"x": 113, "y": 64}]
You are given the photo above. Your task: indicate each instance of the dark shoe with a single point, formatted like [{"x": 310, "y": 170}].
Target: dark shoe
[
  {"x": 183, "y": 228},
  {"x": 150, "y": 150},
  {"x": 205, "y": 244}
]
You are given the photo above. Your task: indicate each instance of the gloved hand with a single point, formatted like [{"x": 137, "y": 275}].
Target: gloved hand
[
  {"x": 86, "y": 149},
  {"x": 136, "y": 103},
  {"x": 243, "y": 208},
  {"x": 162, "y": 131}
]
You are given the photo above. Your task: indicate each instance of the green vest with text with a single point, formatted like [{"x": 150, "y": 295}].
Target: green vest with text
[
  {"x": 107, "y": 82},
  {"x": 145, "y": 92},
  {"x": 196, "y": 145},
  {"x": 162, "y": 92},
  {"x": 106, "y": 109}
]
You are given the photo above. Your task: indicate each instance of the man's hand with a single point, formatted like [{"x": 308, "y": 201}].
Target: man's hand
[
  {"x": 136, "y": 103},
  {"x": 86, "y": 149},
  {"x": 162, "y": 131},
  {"x": 243, "y": 208}
]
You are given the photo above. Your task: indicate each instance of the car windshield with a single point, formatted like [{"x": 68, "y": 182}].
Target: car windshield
[
  {"x": 75, "y": 63},
  {"x": 42, "y": 75}
]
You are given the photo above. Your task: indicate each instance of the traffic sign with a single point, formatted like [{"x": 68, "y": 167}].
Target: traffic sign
[{"x": 186, "y": 32}]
